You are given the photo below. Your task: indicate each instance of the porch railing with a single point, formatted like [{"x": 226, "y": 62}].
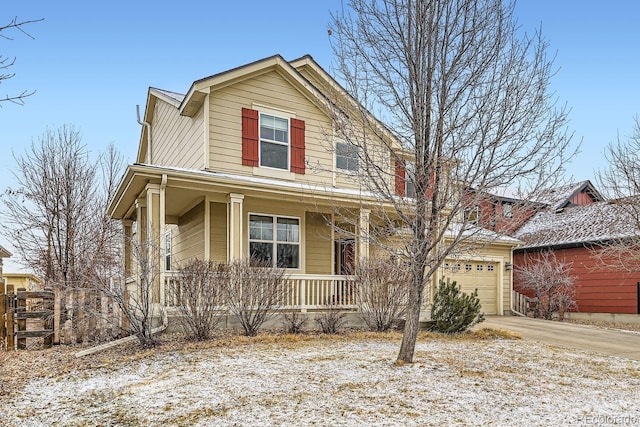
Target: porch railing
[{"x": 301, "y": 292}]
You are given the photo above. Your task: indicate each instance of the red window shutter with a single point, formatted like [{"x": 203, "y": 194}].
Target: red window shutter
[
  {"x": 297, "y": 146},
  {"x": 249, "y": 137},
  {"x": 432, "y": 185},
  {"x": 401, "y": 188}
]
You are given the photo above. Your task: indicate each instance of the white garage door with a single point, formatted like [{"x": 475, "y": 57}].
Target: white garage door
[{"x": 471, "y": 275}]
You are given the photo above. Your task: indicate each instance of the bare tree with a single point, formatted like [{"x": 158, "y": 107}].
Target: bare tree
[
  {"x": 551, "y": 281},
  {"x": 199, "y": 291},
  {"x": 468, "y": 105},
  {"x": 253, "y": 291},
  {"x": 621, "y": 183},
  {"x": 7, "y": 62},
  {"x": 56, "y": 216},
  {"x": 381, "y": 292},
  {"x": 134, "y": 295}
]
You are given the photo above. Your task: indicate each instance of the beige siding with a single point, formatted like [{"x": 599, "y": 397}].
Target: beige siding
[
  {"x": 273, "y": 91},
  {"x": 177, "y": 140},
  {"x": 318, "y": 244},
  {"x": 218, "y": 227},
  {"x": 189, "y": 240}
]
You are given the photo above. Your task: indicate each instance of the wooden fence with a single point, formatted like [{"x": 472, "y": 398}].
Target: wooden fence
[
  {"x": 523, "y": 304},
  {"x": 84, "y": 315},
  {"x": 21, "y": 311}
]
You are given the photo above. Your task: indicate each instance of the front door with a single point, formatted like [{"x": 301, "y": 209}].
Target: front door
[{"x": 344, "y": 256}]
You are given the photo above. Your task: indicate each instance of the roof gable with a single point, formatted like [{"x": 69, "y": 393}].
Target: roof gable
[
  {"x": 567, "y": 195},
  {"x": 200, "y": 88}
]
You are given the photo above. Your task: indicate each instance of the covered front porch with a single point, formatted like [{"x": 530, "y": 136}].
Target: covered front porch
[{"x": 190, "y": 215}]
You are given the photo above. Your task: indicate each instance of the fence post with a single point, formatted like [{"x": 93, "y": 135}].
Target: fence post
[
  {"x": 10, "y": 325},
  {"x": 57, "y": 305},
  {"x": 92, "y": 308},
  {"x": 48, "y": 306},
  {"x": 21, "y": 307},
  {"x": 3, "y": 311}
]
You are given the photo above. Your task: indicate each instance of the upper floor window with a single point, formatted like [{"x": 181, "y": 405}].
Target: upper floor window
[
  {"x": 347, "y": 156},
  {"x": 410, "y": 190},
  {"x": 274, "y": 142},
  {"x": 507, "y": 210},
  {"x": 275, "y": 240},
  {"x": 472, "y": 215}
]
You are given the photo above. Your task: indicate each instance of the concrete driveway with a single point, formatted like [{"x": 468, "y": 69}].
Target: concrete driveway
[{"x": 583, "y": 337}]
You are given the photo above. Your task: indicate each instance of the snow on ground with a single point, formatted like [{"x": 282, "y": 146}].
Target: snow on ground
[{"x": 340, "y": 382}]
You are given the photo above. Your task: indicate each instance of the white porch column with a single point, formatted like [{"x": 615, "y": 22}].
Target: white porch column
[
  {"x": 363, "y": 233},
  {"x": 235, "y": 226},
  {"x": 127, "y": 226},
  {"x": 207, "y": 228},
  {"x": 155, "y": 239}
]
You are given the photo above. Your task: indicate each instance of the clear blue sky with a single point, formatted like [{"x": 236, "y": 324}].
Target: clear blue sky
[{"x": 92, "y": 62}]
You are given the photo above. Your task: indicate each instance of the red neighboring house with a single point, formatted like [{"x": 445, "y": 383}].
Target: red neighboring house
[
  {"x": 575, "y": 227},
  {"x": 502, "y": 214}
]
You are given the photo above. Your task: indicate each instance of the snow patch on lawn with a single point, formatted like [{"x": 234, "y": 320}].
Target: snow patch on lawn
[{"x": 492, "y": 382}]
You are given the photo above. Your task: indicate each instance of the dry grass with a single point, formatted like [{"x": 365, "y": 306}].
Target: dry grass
[
  {"x": 317, "y": 379},
  {"x": 19, "y": 367}
]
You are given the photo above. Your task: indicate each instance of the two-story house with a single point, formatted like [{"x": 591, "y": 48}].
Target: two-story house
[{"x": 246, "y": 164}]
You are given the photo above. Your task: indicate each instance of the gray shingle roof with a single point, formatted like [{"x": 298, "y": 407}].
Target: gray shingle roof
[
  {"x": 173, "y": 95},
  {"x": 597, "y": 222}
]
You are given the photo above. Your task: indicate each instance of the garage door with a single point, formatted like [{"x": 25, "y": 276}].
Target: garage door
[{"x": 472, "y": 275}]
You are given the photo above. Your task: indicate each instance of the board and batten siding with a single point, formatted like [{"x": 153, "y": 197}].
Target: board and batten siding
[
  {"x": 189, "y": 240},
  {"x": 177, "y": 140},
  {"x": 599, "y": 289}
]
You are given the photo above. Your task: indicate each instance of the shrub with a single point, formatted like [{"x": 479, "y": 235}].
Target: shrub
[
  {"x": 331, "y": 319},
  {"x": 551, "y": 282},
  {"x": 198, "y": 293},
  {"x": 294, "y": 322},
  {"x": 453, "y": 311},
  {"x": 253, "y": 291},
  {"x": 381, "y": 288}
]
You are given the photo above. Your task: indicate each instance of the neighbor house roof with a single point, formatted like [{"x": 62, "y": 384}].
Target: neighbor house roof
[
  {"x": 578, "y": 225},
  {"x": 560, "y": 197},
  {"x": 4, "y": 253}
]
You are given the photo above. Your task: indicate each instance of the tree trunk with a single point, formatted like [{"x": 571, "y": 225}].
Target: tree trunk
[{"x": 411, "y": 324}]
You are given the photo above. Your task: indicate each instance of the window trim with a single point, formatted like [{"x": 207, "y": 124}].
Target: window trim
[
  {"x": 275, "y": 242},
  {"x": 264, "y": 112},
  {"x": 168, "y": 250}
]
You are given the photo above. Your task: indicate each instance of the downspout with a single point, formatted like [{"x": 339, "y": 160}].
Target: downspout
[{"x": 148, "y": 126}]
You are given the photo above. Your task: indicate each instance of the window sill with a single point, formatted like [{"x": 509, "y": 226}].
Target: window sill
[{"x": 274, "y": 173}]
